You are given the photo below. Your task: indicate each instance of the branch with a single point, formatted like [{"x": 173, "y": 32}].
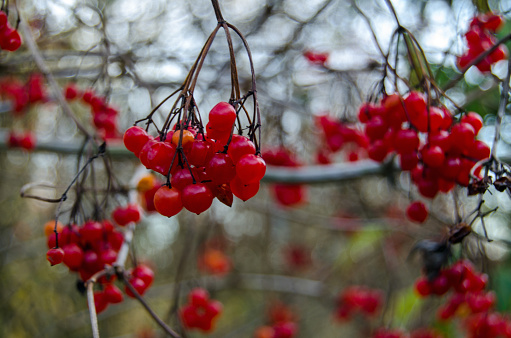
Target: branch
[
  {"x": 45, "y": 70},
  {"x": 160, "y": 322}
]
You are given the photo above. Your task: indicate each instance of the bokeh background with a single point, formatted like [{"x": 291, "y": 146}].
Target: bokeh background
[{"x": 347, "y": 231}]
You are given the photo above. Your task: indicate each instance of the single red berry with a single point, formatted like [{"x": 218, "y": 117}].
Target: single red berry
[
  {"x": 377, "y": 151},
  {"x": 113, "y": 294},
  {"x": 250, "y": 168},
  {"x": 408, "y": 161},
  {"x": 197, "y": 198},
  {"x": 28, "y": 141},
  {"x": 433, "y": 156},
  {"x": 71, "y": 91},
  {"x": 240, "y": 146},
  {"x": 55, "y": 256},
  {"x": 73, "y": 256},
  {"x": 220, "y": 168},
  {"x": 494, "y": 23},
  {"x": 10, "y": 39},
  {"x": 376, "y": 128},
  {"x": 289, "y": 194},
  {"x": 422, "y": 287},
  {"x": 244, "y": 191},
  {"x": 91, "y": 231},
  {"x": 100, "y": 301},
  {"x": 406, "y": 141},
  {"x": 222, "y": 116},
  {"x": 417, "y": 212},
  {"x": 135, "y": 138},
  {"x": 474, "y": 119},
  {"x": 167, "y": 201},
  {"x": 138, "y": 284},
  {"x": 200, "y": 153},
  {"x": 182, "y": 178}
]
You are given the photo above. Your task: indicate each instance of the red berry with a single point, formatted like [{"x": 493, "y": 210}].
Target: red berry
[
  {"x": 250, "y": 169},
  {"x": 28, "y": 141},
  {"x": 10, "y": 39},
  {"x": 222, "y": 116},
  {"x": 100, "y": 302},
  {"x": 376, "y": 128},
  {"x": 474, "y": 119},
  {"x": 71, "y": 91},
  {"x": 289, "y": 194},
  {"x": 220, "y": 168},
  {"x": 197, "y": 198},
  {"x": 160, "y": 156},
  {"x": 138, "y": 284},
  {"x": 423, "y": 287},
  {"x": 113, "y": 294},
  {"x": 145, "y": 273},
  {"x": 433, "y": 156},
  {"x": 377, "y": 151},
  {"x": 417, "y": 212},
  {"x": 135, "y": 138},
  {"x": 200, "y": 153},
  {"x": 167, "y": 201},
  {"x": 406, "y": 141},
  {"x": 244, "y": 191},
  {"x": 240, "y": 146},
  {"x": 55, "y": 256},
  {"x": 73, "y": 256},
  {"x": 91, "y": 231}
]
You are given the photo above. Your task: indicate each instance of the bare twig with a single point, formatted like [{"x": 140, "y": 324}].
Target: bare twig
[{"x": 142, "y": 301}]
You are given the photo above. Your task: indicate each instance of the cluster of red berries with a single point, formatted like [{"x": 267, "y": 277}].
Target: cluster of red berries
[
  {"x": 438, "y": 151},
  {"x": 285, "y": 194},
  {"x": 85, "y": 249},
  {"x": 140, "y": 277},
  {"x": 468, "y": 294},
  {"x": 338, "y": 136},
  {"x": 480, "y": 37},
  {"x": 202, "y": 165},
  {"x": 10, "y": 39},
  {"x": 25, "y": 140},
  {"x": 104, "y": 115},
  {"x": 281, "y": 323},
  {"x": 22, "y": 95},
  {"x": 201, "y": 312},
  {"x": 316, "y": 58},
  {"x": 358, "y": 299}
]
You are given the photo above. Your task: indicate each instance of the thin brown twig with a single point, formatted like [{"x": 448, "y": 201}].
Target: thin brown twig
[{"x": 142, "y": 301}]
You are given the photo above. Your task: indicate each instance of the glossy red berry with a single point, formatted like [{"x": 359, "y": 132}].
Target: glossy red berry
[
  {"x": 10, "y": 39},
  {"x": 222, "y": 116},
  {"x": 250, "y": 168},
  {"x": 145, "y": 273},
  {"x": 113, "y": 294},
  {"x": 197, "y": 198},
  {"x": 220, "y": 168},
  {"x": 135, "y": 138},
  {"x": 73, "y": 256},
  {"x": 244, "y": 191},
  {"x": 167, "y": 201},
  {"x": 240, "y": 146},
  {"x": 55, "y": 256}
]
